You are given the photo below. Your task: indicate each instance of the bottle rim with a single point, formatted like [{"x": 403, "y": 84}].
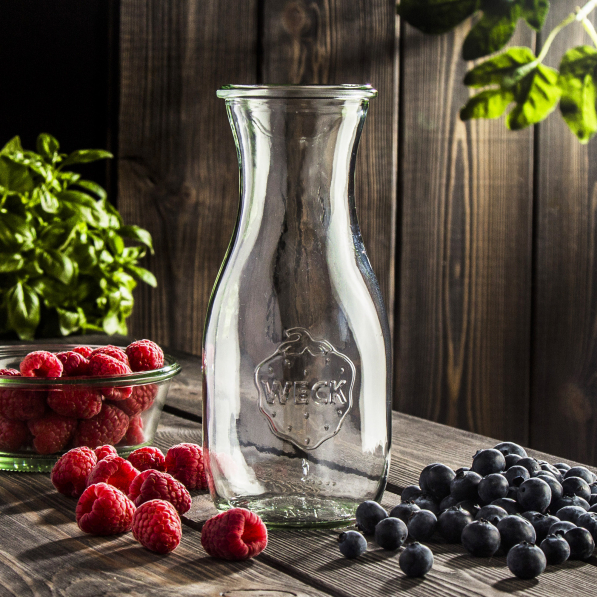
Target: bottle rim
[{"x": 297, "y": 91}]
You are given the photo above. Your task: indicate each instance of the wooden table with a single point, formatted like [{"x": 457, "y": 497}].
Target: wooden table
[{"x": 43, "y": 552}]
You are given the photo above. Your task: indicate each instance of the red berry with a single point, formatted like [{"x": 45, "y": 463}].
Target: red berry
[
  {"x": 102, "y": 451},
  {"x": 83, "y": 350},
  {"x": 13, "y": 434},
  {"x": 145, "y": 355},
  {"x": 9, "y": 373},
  {"x": 185, "y": 463},
  {"x": 141, "y": 399},
  {"x": 22, "y": 405},
  {"x": 70, "y": 473},
  {"x": 104, "y": 510},
  {"x": 147, "y": 458},
  {"x": 155, "y": 485},
  {"x": 75, "y": 401},
  {"x": 41, "y": 364},
  {"x": 237, "y": 534},
  {"x": 134, "y": 434},
  {"x": 51, "y": 433},
  {"x": 103, "y": 365},
  {"x": 73, "y": 364},
  {"x": 115, "y": 471},
  {"x": 156, "y": 525},
  {"x": 108, "y": 427},
  {"x": 113, "y": 351}
]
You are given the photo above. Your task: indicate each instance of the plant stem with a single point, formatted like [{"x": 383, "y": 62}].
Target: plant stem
[{"x": 590, "y": 31}]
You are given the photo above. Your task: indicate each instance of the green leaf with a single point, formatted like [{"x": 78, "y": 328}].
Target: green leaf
[
  {"x": 11, "y": 262},
  {"x": 137, "y": 233},
  {"x": 93, "y": 187},
  {"x": 15, "y": 231},
  {"x": 14, "y": 176},
  {"x": 13, "y": 146},
  {"x": 47, "y": 146},
  {"x": 111, "y": 323},
  {"x": 85, "y": 256},
  {"x": 68, "y": 321},
  {"x": 23, "y": 310},
  {"x": 86, "y": 207},
  {"x": 436, "y": 16},
  {"x": 578, "y": 70},
  {"x": 115, "y": 243},
  {"x": 534, "y": 12},
  {"x": 83, "y": 156},
  {"x": 57, "y": 265},
  {"x": 143, "y": 274},
  {"x": 491, "y": 103},
  {"x": 493, "y": 71},
  {"x": 536, "y": 97},
  {"x": 492, "y": 32},
  {"x": 48, "y": 202}
]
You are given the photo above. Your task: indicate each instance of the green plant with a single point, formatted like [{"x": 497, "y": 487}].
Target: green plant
[
  {"x": 64, "y": 264},
  {"x": 516, "y": 76}
]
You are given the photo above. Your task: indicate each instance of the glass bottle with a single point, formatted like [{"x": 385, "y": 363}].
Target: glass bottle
[{"x": 296, "y": 349}]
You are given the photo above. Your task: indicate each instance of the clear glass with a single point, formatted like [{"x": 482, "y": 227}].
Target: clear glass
[{"x": 297, "y": 387}]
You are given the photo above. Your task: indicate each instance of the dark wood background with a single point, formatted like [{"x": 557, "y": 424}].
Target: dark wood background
[{"x": 483, "y": 240}]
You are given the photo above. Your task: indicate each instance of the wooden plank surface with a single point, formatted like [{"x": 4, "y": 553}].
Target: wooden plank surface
[
  {"x": 564, "y": 384},
  {"x": 463, "y": 329}
]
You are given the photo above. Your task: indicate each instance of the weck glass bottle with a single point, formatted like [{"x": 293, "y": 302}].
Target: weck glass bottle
[{"x": 296, "y": 353}]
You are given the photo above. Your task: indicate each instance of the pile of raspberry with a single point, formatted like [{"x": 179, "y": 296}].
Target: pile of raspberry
[
  {"x": 147, "y": 493},
  {"x": 51, "y": 421}
]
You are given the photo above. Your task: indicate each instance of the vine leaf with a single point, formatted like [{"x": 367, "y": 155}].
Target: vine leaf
[
  {"x": 534, "y": 12},
  {"x": 577, "y": 81},
  {"x": 491, "y": 103},
  {"x": 436, "y": 16}
]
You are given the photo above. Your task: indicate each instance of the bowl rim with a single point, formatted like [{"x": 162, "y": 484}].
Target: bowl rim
[{"x": 170, "y": 369}]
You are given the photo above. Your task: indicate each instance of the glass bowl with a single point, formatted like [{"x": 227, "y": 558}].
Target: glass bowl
[{"x": 134, "y": 401}]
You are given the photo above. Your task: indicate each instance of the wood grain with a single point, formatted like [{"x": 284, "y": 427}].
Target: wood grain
[
  {"x": 464, "y": 302},
  {"x": 334, "y": 42},
  {"x": 178, "y": 174},
  {"x": 564, "y": 382}
]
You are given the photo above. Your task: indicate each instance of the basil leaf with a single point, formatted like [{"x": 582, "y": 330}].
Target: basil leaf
[
  {"x": 13, "y": 146},
  {"x": 23, "y": 310},
  {"x": 111, "y": 323},
  {"x": 577, "y": 82},
  {"x": 68, "y": 321},
  {"x": 83, "y": 156},
  {"x": 85, "y": 256},
  {"x": 57, "y": 265},
  {"x": 491, "y": 103},
  {"x": 14, "y": 176},
  {"x": 11, "y": 262},
  {"x": 492, "y": 71},
  {"x": 93, "y": 187},
  {"x": 436, "y": 16},
  {"x": 15, "y": 231},
  {"x": 535, "y": 12},
  {"x": 143, "y": 274},
  {"x": 115, "y": 243},
  {"x": 47, "y": 146},
  {"x": 137, "y": 233},
  {"x": 492, "y": 32},
  {"x": 49, "y": 203}
]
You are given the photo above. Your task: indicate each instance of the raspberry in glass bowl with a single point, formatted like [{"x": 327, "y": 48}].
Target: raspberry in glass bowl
[{"x": 54, "y": 397}]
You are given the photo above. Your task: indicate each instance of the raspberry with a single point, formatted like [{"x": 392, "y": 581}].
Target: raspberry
[
  {"x": 134, "y": 434},
  {"x": 73, "y": 364},
  {"x": 147, "y": 458},
  {"x": 70, "y": 473},
  {"x": 113, "y": 351},
  {"x": 22, "y": 405},
  {"x": 104, "y": 510},
  {"x": 108, "y": 427},
  {"x": 185, "y": 463},
  {"x": 41, "y": 364},
  {"x": 115, "y": 471},
  {"x": 234, "y": 535},
  {"x": 13, "y": 434},
  {"x": 145, "y": 355},
  {"x": 103, "y": 365},
  {"x": 154, "y": 485},
  {"x": 51, "y": 433},
  {"x": 83, "y": 350},
  {"x": 141, "y": 399},
  {"x": 102, "y": 451},
  {"x": 156, "y": 525},
  {"x": 10, "y": 373},
  {"x": 78, "y": 402}
]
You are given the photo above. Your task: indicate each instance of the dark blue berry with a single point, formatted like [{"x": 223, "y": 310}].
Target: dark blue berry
[
  {"x": 570, "y": 514},
  {"x": 589, "y": 521},
  {"x": 513, "y": 491},
  {"x": 534, "y": 494},
  {"x": 512, "y": 460},
  {"x": 531, "y": 515},
  {"x": 542, "y": 524},
  {"x": 427, "y": 502},
  {"x": 410, "y": 493},
  {"x": 424, "y": 474},
  {"x": 352, "y": 544},
  {"x": 451, "y": 523},
  {"x": 437, "y": 481},
  {"x": 462, "y": 469},
  {"x": 492, "y": 487},
  {"x": 560, "y": 528},
  {"x": 404, "y": 510},
  {"x": 508, "y": 504},
  {"x": 471, "y": 507},
  {"x": 421, "y": 525},
  {"x": 556, "y": 549},
  {"x": 581, "y": 543},
  {"x": 569, "y": 500},
  {"x": 562, "y": 466},
  {"x": 492, "y": 514},
  {"x": 486, "y": 462},
  {"x": 526, "y": 560},
  {"x": 516, "y": 471},
  {"x": 577, "y": 486},
  {"x": 593, "y": 508},
  {"x": 481, "y": 538},
  {"x": 580, "y": 471},
  {"x": 447, "y": 502},
  {"x": 530, "y": 464},
  {"x": 368, "y": 514},
  {"x": 416, "y": 560},
  {"x": 390, "y": 533},
  {"x": 514, "y": 529},
  {"x": 464, "y": 486},
  {"x": 507, "y": 448},
  {"x": 556, "y": 489},
  {"x": 548, "y": 468}
]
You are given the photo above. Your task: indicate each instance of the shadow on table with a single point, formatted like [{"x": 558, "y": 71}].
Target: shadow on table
[
  {"x": 369, "y": 557},
  {"x": 467, "y": 562},
  {"x": 43, "y": 505},
  {"x": 61, "y": 547},
  {"x": 511, "y": 585}
]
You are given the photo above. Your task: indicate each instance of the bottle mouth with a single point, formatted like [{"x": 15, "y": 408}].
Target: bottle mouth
[{"x": 297, "y": 91}]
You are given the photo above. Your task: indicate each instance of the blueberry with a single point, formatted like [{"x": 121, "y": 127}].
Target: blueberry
[
  {"x": 369, "y": 513},
  {"x": 580, "y": 471},
  {"x": 589, "y": 521},
  {"x": 509, "y": 505},
  {"x": 492, "y": 487},
  {"x": 526, "y": 560},
  {"x": 511, "y": 460},
  {"x": 513, "y": 491},
  {"x": 593, "y": 488},
  {"x": 421, "y": 525},
  {"x": 516, "y": 471},
  {"x": 548, "y": 468},
  {"x": 593, "y": 508},
  {"x": 437, "y": 481},
  {"x": 464, "y": 486},
  {"x": 556, "y": 549},
  {"x": 530, "y": 464},
  {"x": 416, "y": 560},
  {"x": 560, "y": 528},
  {"x": 508, "y": 448},
  {"x": 410, "y": 493},
  {"x": 492, "y": 514},
  {"x": 424, "y": 474},
  {"x": 471, "y": 507},
  {"x": 404, "y": 510},
  {"x": 581, "y": 543},
  {"x": 480, "y": 538},
  {"x": 462, "y": 469},
  {"x": 556, "y": 488},
  {"x": 562, "y": 466},
  {"x": 569, "y": 500},
  {"x": 390, "y": 533},
  {"x": 352, "y": 544},
  {"x": 426, "y": 502},
  {"x": 447, "y": 502},
  {"x": 486, "y": 462},
  {"x": 451, "y": 523},
  {"x": 570, "y": 514},
  {"x": 542, "y": 524},
  {"x": 531, "y": 515},
  {"x": 593, "y": 499},
  {"x": 534, "y": 494},
  {"x": 577, "y": 486},
  {"x": 514, "y": 529}
]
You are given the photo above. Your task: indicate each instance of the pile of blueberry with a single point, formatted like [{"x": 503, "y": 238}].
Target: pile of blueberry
[{"x": 535, "y": 512}]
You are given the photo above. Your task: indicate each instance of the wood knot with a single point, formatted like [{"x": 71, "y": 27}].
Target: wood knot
[{"x": 295, "y": 19}]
